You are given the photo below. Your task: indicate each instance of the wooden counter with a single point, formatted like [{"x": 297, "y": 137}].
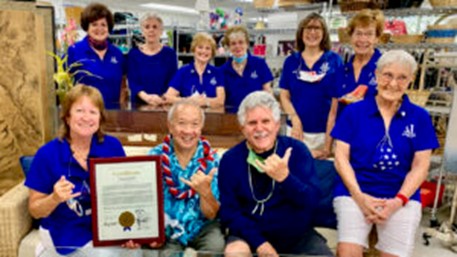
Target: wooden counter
[{"x": 147, "y": 126}]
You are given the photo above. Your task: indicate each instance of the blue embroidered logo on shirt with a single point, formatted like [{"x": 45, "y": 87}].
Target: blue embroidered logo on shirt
[
  {"x": 114, "y": 60},
  {"x": 324, "y": 67},
  {"x": 213, "y": 81},
  {"x": 372, "y": 80},
  {"x": 254, "y": 75},
  {"x": 409, "y": 131}
]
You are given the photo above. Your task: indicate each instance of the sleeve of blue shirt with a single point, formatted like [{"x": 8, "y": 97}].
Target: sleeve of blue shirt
[
  {"x": 286, "y": 74},
  {"x": 426, "y": 137},
  {"x": 133, "y": 74},
  {"x": 114, "y": 147},
  {"x": 337, "y": 76},
  {"x": 345, "y": 125},
  {"x": 40, "y": 176},
  {"x": 231, "y": 216},
  {"x": 178, "y": 80},
  {"x": 211, "y": 165},
  {"x": 266, "y": 76}
]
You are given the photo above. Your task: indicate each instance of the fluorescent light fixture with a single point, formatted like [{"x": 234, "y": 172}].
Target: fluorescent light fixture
[{"x": 171, "y": 8}]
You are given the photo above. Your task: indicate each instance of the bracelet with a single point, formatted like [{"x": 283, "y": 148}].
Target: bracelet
[{"x": 403, "y": 198}]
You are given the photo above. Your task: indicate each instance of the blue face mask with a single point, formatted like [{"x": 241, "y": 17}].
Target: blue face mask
[{"x": 240, "y": 59}]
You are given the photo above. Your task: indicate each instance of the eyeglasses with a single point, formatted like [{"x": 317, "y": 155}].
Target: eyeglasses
[
  {"x": 359, "y": 34},
  {"x": 388, "y": 77},
  {"x": 81, "y": 204},
  {"x": 315, "y": 28}
]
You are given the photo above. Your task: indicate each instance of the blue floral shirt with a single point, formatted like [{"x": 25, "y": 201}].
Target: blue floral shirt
[{"x": 183, "y": 218}]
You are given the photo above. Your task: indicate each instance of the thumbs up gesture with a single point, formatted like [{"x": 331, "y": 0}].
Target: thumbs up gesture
[
  {"x": 276, "y": 167},
  {"x": 200, "y": 182}
]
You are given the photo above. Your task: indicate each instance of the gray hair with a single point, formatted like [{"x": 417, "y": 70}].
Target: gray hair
[
  {"x": 149, "y": 16},
  {"x": 258, "y": 99},
  {"x": 397, "y": 56},
  {"x": 184, "y": 102}
]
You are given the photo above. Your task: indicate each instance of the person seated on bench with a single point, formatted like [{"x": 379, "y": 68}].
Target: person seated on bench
[
  {"x": 189, "y": 166},
  {"x": 268, "y": 187}
]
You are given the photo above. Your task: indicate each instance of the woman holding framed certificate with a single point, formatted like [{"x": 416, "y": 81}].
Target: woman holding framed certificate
[{"x": 59, "y": 179}]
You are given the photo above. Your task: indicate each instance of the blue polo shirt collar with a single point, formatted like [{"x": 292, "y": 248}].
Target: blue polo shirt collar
[
  {"x": 68, "y": 158},
  {"x": 402, "y": 112},
  {"x": 193, "y": 70},
  {"x": 86, "y": 46},
  {"x": 232, "y": 70}
]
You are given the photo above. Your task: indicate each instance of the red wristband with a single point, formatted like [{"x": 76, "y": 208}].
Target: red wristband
[{"x": 403, "y": 198}]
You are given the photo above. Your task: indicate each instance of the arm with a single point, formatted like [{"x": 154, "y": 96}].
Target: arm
[
  {"x": 367, "y": 204},
  {"x": 42, "y": 205},
  {"x": 267, "y": 87},
  {"x": 231, "y": 212},
  {"x": 330, "y": 124},
  {"x": 297, "y": 128},
  {"x": 171, "y": 96},
  {"x": 219, "y": 100}
]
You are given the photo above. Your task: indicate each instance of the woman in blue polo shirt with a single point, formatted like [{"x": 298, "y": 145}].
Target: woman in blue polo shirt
[
  {"x": 59, "y": 179},
  {"x": 98, "y": 56},
  {"x": 365, "y": 30},
  {"x": 382, "y": 154},
  {"x": 359, "y": 81},
  {"x": 199, "y": 80},
  {"x": 150, "y": 66},
  {"x": 309, "y": 81},
  {"x": 243, "y": 73}
]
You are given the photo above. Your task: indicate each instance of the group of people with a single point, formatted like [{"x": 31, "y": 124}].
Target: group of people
[{"x": 261, "y": 196}]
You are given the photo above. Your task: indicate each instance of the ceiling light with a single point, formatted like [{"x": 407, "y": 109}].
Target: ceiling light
[{"x": 171, "y": 8}]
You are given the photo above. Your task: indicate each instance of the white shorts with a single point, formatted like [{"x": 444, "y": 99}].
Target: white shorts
[
  {"x": 396, "y": 236},
  {"x": 313, "y": 141}
]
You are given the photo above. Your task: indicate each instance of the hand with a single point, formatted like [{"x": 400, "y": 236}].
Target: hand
[
  {"x": 63, "y": 190},
  {"x": 297, "y": 128},
  {"x": 266, "y": 250},
  {"x": 370, "y": 206},
  {"x": 131, "y": 245},
  {"x": 275, "y": 167},
  {"x": 320, "y": 154},
  {"x": 155, "y": 245},
  {"x": 200, "y": 99},
  {"x": 200, "y": 182},
  {"x": 153, "y": 99},
  {"x": 391, "y": 206}
]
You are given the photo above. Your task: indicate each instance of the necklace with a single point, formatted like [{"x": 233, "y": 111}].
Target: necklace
[
  {"x": 239, "y": 68},
  {"x": 260, "y": 204},
  {"x": 208, "y": 155}
]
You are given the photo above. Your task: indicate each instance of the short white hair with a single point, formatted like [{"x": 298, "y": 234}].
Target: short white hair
[
  {"x": 401, "y": 57},
  {"x": 150, "y": 15},
  {"x": 184, "y": 102},
  {"x": 258, "y": 99}
]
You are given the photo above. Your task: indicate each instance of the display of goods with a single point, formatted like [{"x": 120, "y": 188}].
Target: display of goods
[{"x": 355, "y": 5}]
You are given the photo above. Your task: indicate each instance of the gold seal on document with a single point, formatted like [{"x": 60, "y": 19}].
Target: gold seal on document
[{"x": 127, "y": 219}]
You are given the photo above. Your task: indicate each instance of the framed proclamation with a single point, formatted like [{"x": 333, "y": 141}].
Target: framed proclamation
[{"x": 127, "y": 200}]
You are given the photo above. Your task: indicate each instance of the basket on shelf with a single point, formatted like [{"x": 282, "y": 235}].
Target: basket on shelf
[
  {"x": 419, "y": 97},
  {"x": 261, "y": 4},
  {"x": 345, "y": 38},
  {"x": 287, "y": 3},
  {"x": 407, "y": 39},
  {"x": 441, "y": 33},
  {"x": 443, "y": 3},
  {"x": 355, "y": 5}
]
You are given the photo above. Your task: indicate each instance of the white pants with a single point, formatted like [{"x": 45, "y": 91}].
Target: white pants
[
  {"x": 313, "y": 141},
  {"x": 46, "y": 248},
  {"x": 396, "y": 236}
]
